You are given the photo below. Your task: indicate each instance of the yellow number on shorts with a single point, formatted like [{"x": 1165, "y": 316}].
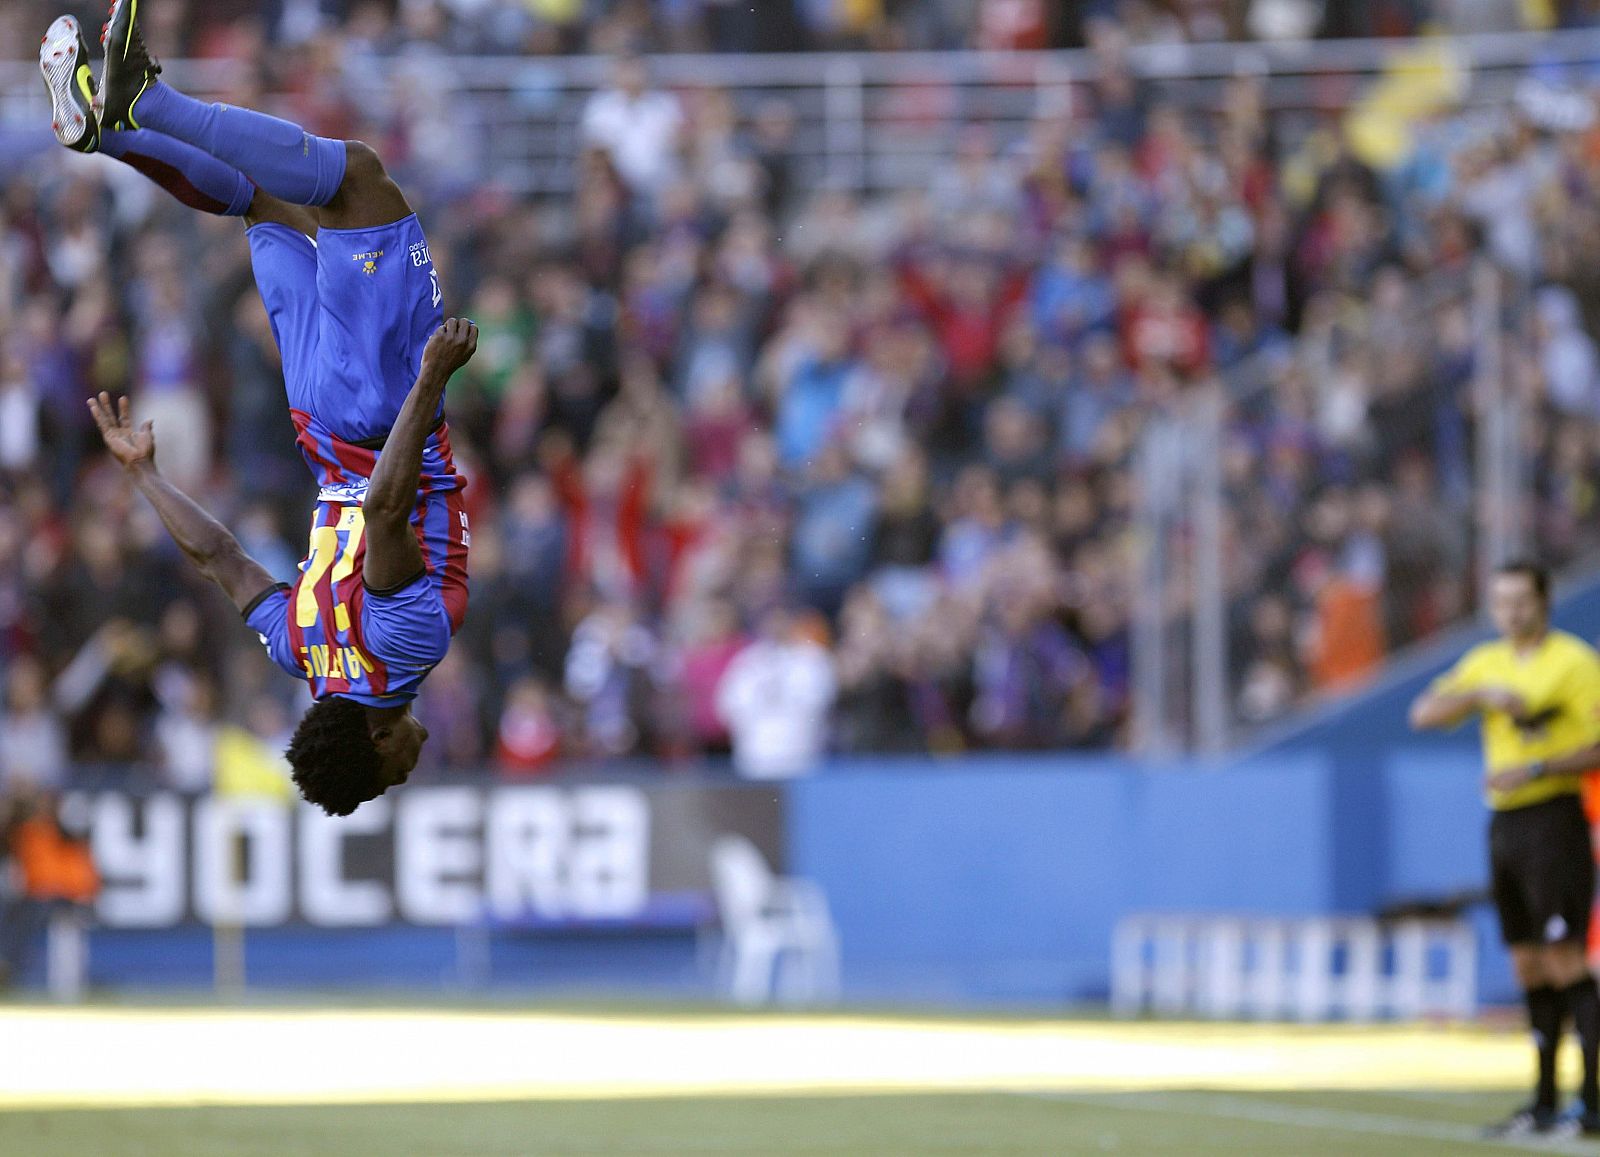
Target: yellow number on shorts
[{"x": 328, "y": 551}]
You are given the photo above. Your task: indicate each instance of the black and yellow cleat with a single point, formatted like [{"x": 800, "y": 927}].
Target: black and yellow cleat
[
  {"x": 64, "y": 61},
  {"x": 129, "y": 67}
]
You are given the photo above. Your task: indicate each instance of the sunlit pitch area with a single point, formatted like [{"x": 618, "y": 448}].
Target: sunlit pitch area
[{"x": 66, "y": 1058}]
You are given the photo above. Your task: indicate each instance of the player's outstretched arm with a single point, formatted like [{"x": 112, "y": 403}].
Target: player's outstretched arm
[
  {"x": 393, "y": 556},
  {"x": 206, "y": 541}
]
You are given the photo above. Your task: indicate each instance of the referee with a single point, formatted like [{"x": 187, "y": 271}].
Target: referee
[{"x": 1537, "y": 691}]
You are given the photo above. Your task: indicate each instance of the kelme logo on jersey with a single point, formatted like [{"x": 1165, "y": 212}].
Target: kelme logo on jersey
[
  {"x": 369, "y": 261},
  {"x": 345, "y": 493}
]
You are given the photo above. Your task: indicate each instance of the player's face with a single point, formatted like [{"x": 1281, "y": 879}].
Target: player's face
[
  {"x": 400, "y": 748},
  {"x": 1518, "y": 611}
]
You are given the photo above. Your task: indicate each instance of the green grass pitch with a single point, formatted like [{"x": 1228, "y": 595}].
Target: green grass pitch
[
  {"x": 308, "y": 1079},
  {"x": 1190, "y": 1124}
]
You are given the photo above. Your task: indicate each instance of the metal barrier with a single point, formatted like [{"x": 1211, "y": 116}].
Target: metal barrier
[
  {"x": 1184, "y": 673},
  {"x": 1314, "y": 969},
  {"x": 67, "y": 952},
  {"x": 874, "y": 122}
]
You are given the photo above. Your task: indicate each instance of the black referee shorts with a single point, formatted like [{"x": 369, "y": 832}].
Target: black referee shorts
[{"x": 1543, "y": 874}]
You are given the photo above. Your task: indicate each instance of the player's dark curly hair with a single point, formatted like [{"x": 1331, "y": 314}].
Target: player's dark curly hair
[{"x": 336, "y": 766}]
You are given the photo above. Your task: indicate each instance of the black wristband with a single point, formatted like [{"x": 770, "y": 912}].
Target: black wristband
[
  {"x": 250, "y": 607},
  {"x": 398, "y": 587}
]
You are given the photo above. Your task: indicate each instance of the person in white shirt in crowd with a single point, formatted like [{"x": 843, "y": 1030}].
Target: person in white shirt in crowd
[
  {"x": 775, "y": 698},
  {"x": 33, "y": 743},
  {"x": 186, "y": 730},
  {"x": 638, "y": 126},
  {"x": 1566, "y": 353},
  {"x": 19, "y": 413}
]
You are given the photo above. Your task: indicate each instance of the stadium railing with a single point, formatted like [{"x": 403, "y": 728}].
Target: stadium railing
[
  {"x": 878, "y": 122},
  {"x": 1183, "y": 672}
]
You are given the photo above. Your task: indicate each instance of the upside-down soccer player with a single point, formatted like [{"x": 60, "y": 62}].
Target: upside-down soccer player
[
  {"x": 349, "y": 284},
  {"x": 1537, "y": 691}
]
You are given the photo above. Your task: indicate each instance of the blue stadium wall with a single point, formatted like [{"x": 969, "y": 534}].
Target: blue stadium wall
[
  {"x": 984, "y": 881},
  {"x": 998, "y": 880},
  {"x": 1001, "y": 880}
]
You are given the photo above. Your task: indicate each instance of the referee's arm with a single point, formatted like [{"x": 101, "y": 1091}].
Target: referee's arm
[
  {"x": 1440, "y": 708},
  {"x": 1585, "y": 759}
]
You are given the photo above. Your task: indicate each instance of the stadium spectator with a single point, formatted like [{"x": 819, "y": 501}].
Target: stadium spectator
[
  {"x": 702, "y": 662},
  {"x": 637, "y": 126},
  {"x": 186, "y": 732},
  {"x": 33, "y": 743},
  {"x": 52, "y": 868},
  {"x": 774, "y": 698},
  {"x": 608, "y": 676},
  {"x": 528, "y": 738}
]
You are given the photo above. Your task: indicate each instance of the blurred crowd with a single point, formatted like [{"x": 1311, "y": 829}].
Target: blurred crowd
[
  {"x": 191, "y": 28},
  {"x": 774, "y": 470}
]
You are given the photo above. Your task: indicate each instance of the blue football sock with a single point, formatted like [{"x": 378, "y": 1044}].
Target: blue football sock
[
  {"x": 191, "y": 175},
  {"x": 282, "y": 158}
]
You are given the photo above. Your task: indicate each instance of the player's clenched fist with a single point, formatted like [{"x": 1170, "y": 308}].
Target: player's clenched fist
[
  {"x": 451, "y": 346},
  {"x": 129, "y": 445}
]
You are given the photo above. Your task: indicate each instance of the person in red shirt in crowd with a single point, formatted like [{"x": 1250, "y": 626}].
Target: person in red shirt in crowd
[
  {"x": 1161, "y": 325},
  {"x": 528, "y": 739},
  {"x": 968, "y": 304}
]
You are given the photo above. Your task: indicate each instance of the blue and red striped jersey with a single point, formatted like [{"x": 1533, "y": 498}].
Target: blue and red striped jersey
[{"x": 375, "y": 647}]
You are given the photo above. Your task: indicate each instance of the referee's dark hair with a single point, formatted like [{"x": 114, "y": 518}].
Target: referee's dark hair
[{"x": 1538, "y": 575}]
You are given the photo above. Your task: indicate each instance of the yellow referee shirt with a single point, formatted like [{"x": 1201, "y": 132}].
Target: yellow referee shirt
[{"x": 1560, "y": 683}]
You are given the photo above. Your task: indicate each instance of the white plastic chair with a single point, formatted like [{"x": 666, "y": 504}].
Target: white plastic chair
[
  {"x": 67, "y": 952},
  {"x": 778, "y": 937}
]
